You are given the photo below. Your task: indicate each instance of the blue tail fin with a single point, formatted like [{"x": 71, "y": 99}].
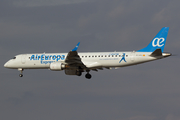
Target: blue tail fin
[{"x": 158, "y": 42}]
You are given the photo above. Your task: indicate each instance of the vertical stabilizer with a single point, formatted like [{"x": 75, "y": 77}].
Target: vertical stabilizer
[{"x": 158, "y": 42}]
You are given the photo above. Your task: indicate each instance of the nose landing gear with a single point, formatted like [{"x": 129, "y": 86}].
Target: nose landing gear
[
  {"x": 20, "y": 75},
  {"x": 21, "y": 72}
]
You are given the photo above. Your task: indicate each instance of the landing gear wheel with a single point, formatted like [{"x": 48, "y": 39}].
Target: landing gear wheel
[
  {"x": 88, "y": 76},
  {"x": 20, "y": 75}
]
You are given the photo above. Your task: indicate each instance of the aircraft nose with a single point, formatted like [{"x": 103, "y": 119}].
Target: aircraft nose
[{"x": 6, "y": 65}]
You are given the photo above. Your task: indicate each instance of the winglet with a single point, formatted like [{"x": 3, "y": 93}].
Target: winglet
[{"x": 75, "y": 49}]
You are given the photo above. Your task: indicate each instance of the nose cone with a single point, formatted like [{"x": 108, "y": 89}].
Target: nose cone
[
  {"x": 6, "y": 65},
  {"x": 11, "y": 64}
]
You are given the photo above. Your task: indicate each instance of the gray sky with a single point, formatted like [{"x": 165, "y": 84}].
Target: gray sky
[{"x": 144, "y": 92}]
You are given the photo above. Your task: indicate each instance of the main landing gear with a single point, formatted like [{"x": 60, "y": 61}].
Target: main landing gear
[
  {"x": 21, "y": 72},
  {"x": 88, "y": 76}
]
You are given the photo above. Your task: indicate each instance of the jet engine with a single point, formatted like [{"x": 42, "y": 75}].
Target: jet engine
[{"x": 57, "y": 66}]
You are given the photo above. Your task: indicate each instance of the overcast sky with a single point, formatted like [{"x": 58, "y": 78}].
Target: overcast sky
[{"x": 149, "y": 91}]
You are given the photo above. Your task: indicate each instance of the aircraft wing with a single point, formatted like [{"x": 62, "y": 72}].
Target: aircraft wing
[{"x": 73, "y": 58}]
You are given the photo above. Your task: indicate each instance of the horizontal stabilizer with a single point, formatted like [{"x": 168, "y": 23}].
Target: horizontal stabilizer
[{"x": 157, "y": 52}]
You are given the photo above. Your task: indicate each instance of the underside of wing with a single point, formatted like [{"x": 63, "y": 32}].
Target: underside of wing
[{"x": 73, "y": 60}]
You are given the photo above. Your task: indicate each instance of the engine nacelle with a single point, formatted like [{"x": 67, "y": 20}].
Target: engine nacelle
[{"x": 57, "y": 66}]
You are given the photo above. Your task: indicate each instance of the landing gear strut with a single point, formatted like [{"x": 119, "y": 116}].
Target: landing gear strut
[{"x": 21, "y": 72}]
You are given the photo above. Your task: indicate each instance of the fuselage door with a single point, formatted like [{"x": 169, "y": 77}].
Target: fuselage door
[{"x": 23, "y": 59}]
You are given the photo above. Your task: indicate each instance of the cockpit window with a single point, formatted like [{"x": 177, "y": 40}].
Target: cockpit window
[{"x": 14, "y": 57}]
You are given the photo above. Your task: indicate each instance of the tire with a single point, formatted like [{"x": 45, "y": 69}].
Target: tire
[
  {"x": 20, "y": 75},
  {"x": 88, "y": 76}
]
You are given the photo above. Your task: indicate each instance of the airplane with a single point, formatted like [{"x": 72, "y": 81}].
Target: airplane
[{"x": 74, "y": 63}]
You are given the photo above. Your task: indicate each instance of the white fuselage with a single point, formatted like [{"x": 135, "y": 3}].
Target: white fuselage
[{"x": 90, "y": 60}]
